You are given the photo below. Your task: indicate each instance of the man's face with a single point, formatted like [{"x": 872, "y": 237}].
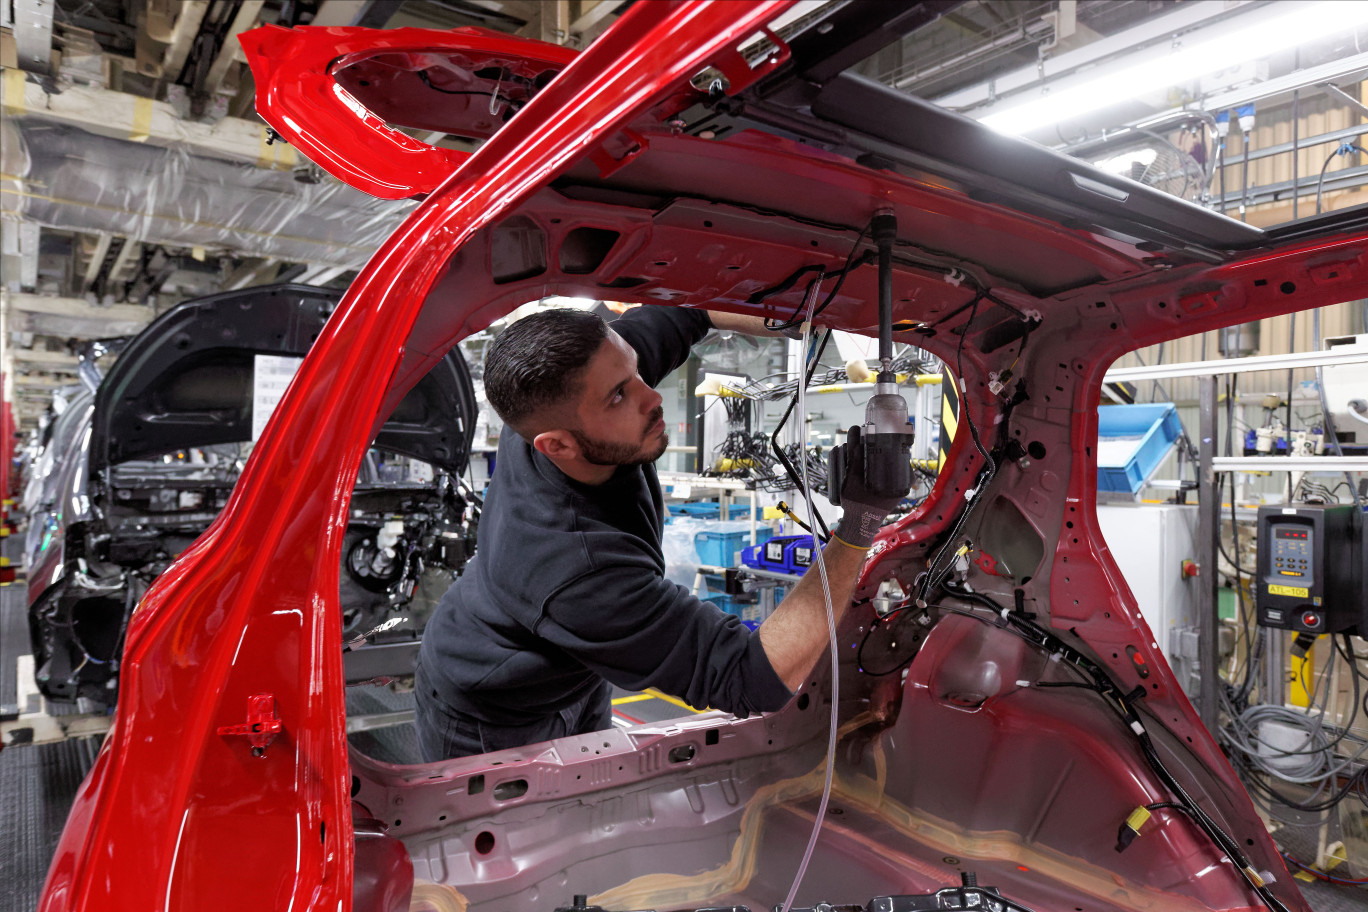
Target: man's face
[{"x": 620, "y": 418}]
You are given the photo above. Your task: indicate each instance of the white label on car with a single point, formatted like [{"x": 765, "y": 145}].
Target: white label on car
[{"x": 271, "y": 374}]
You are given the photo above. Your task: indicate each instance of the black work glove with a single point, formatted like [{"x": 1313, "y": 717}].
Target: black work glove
[{"x": 863, "y": 510}]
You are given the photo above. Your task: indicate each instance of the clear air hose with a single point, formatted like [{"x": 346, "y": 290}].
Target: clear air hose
[{"x": 830, "y": 613}]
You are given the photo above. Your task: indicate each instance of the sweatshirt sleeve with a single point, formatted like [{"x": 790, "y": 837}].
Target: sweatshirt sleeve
[
  {"x": 662, "y": 337},
  {"x": 640, "y": 630}
]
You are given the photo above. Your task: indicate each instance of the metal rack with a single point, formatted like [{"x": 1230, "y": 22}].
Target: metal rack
[{"x": 1209, "y": 466}]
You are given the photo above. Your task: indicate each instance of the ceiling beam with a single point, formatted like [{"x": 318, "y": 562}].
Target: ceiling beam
[
  {"x": 231, "y": 51},
  {"x": 55, "y": 361},
  {"x": 131, "y": 117},
  {"x": 97, "y": 256},
  {"x": 19, "y": 240},
  {"x": 33, "y": 34},
  {"x": 75, "y": 327},
  {"x": 340, "y": 12},
  {"x": 183, "y": 37},
  {"x": 254, "y": 271},
  {"x": 594, "y": 16},
  {"x": 38, "y": 382},
  {"x": 1186, "y": 16},
  {"x": 72, "y": 317}
]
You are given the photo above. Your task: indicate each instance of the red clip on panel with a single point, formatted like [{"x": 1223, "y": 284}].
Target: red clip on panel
[{"x": 262, "y": 723}]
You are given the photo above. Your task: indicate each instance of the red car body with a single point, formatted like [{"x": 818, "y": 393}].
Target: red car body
[{"x": 225, "y": 779}]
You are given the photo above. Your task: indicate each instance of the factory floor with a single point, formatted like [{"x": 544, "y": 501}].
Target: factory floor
[{"x": 38, "y": 782}]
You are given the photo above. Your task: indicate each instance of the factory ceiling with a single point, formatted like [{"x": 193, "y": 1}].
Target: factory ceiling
[{"x": 134, "y": 172}]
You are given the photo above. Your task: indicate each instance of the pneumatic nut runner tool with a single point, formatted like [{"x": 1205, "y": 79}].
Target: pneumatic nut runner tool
[{"x": 885, "y": 440}]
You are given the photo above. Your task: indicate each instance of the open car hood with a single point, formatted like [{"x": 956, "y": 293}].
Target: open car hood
[{"x": 187, "y": 381}]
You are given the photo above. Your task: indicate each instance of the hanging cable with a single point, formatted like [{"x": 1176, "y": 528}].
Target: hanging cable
[
  {"x": 805, "y": 377},
  {"x": 850, "y": 263},
  {"x": 1321, "y": 875},
  {"x": 1344, "y": 148},
  {"x": 835, "y": 654},
  {"x": 934, "y": 576},
  {"x": 1325, "y": 410},
  {"x": 1124, "y": 704}
]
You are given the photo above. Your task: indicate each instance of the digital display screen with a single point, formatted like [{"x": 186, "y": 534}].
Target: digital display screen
[{"x": 1292, "y": 532}]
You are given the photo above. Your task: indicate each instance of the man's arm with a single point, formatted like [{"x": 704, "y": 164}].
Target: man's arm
[
  {"x": 744, "y": 323},
  {"x": 795, "y": 635}
]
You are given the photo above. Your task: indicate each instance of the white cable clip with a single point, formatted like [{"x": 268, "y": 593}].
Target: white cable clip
[{"x": 955, "y": 277}]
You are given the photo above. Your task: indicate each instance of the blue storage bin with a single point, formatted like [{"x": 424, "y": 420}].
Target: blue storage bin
[
  {"x": 750, "y": 612},
  {"x": 722, "y": 549},
  {"x": 760, "y": 556},
  {"x": 707, "y": 509},
  {"x": 782, "y": 554},
  {"x": 798, "y": 555},
  {"x": 727, "y": 603},
  {"x": 1131, "y": 442}
]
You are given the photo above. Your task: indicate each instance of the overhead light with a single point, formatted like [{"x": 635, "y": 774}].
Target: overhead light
[
  {"x": 574, "y": 303},
  {"x": 1300, "y": 24},
  {"x": 1124, "y": 164}
]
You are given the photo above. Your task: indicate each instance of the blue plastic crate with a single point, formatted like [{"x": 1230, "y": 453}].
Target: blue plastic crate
[
  {"x": 798, "y": 555},
  {"x": 1131, "y": 442},
  {"x": 750, "y": 612},
  {"x": 768, "y": 555},
  {"x": 709, "y": 509},
  {"x": 706, "y": 509},
  {"x": 782, "y": 554},
  {"x": 723, "y": 549}
]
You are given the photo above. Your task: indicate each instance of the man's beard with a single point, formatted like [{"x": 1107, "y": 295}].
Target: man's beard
[{"x": 603, "y": 453}]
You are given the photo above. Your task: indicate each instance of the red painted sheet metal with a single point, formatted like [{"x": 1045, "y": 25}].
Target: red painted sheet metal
[
  {"x": 176, "y": 816},
  {"x": 309, "y": 108}
]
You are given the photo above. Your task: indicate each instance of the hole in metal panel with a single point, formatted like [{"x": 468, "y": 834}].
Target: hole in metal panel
[
  {"x": 513, "y": 788},
  {"x": 682, "y": 754}
]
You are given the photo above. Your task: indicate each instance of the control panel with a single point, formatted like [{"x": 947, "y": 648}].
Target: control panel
[{"x": 1310, "y": 574}]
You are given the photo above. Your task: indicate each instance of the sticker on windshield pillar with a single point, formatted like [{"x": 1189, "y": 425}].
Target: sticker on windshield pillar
[
  {"x": 271, "y": 374},
  {"x": 1294, "y": 591}
]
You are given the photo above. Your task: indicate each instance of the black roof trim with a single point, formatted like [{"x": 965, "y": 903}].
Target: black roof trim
[{"x": 1019, "y": 172}]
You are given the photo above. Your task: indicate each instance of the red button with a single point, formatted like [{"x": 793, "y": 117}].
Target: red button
[{"x": 1311, "y": 619}]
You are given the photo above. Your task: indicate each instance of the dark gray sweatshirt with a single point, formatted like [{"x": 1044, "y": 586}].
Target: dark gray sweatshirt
[{"x": 567, "y": 586}]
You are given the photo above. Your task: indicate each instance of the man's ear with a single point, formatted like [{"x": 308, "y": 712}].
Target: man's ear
[{"x": 557, "y": 444}]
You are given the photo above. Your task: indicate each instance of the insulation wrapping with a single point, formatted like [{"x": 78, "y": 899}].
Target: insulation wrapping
[{"x": 61, "y": 177}]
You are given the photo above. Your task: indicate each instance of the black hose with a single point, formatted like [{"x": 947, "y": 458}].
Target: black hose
[{"x": 1343, "y": 149}]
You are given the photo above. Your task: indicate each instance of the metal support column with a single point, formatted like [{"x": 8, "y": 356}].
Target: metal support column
[{"x": 1208, "y": 527}]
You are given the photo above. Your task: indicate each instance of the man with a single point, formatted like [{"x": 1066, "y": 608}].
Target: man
[{"x": 566, "y": 594}]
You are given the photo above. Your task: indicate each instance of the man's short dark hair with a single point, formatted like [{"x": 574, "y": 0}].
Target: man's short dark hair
[{"x": 537, "y": 362}]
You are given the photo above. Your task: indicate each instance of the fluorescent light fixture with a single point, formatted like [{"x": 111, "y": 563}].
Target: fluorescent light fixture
[
  {"x": 574, "y": 303},
  {"x": 1300, "y": 24},
  {"x": 1123, "y": 164}
]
